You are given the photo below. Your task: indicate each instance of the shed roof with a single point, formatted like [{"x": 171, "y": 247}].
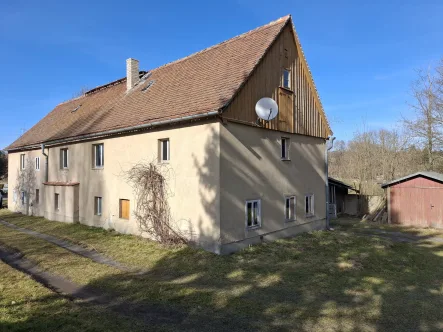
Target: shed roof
[{"x": 427, "y": 174}]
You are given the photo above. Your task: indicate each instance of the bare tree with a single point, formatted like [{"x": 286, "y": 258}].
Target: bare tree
[{"x": 426, "y": 127}]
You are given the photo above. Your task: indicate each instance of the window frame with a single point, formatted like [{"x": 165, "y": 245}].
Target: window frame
[
  {"x": 22, "y": 161},
  {"x": 311, "y": 208},
  {"x": 98, "y": 206},
  {"x": 23, "y": 198},
  {"x": 289, "y": 85},
  {"x": 102, "y": 155},
  {"x": 120, "y": 214},
  {"x": 259, "y": 223},
  {"x": 56, "y": 201},
  {"x": 37, "y": 196},
  {"x": 285, "y": 147},
  {"x": 168, "y": 150},
  {"x": 288, "y": 198},
  {"x": 63, "y": 152},
  {"x": 37, "y": 163}
]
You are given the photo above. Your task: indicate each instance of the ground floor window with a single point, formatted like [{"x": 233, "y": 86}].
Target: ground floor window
[
  {"x": 290, "y": 204},
  {"x": 124, "y": 209},
  {"x": 57, "y": 201},
  {"x": 37, "y": 196},
  {"x": 253, "y": 213},
  {"x": 23, "y": 197},
  {"x": 98, "y": 206},
  {"x": 309, "y": 204}
]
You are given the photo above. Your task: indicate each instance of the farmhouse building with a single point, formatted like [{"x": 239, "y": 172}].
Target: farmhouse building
[
  {"x": 416, "y": 200},
  {"x": 233, "y": 180}
]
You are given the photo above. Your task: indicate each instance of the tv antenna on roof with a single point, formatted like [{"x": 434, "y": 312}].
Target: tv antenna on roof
[{"x": 266, "y": 109}]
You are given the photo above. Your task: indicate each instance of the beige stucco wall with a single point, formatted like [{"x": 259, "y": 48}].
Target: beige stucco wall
[
  {"x": 194, "y": 179},
  {"x": 14, "y": 203},
  {"x": 251, "y": 168}
]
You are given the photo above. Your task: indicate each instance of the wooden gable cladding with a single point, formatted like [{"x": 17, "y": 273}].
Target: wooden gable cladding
[{"x": 300, "y": 111}]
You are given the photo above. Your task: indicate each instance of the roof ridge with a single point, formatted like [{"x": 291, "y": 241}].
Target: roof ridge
[{"x": 268, "y": 25}]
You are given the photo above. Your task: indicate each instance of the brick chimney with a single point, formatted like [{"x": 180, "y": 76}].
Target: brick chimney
[{"x": 132, "y": 75}]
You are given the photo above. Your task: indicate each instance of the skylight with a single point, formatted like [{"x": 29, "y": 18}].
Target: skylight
[{"x": 148, "y": 85}]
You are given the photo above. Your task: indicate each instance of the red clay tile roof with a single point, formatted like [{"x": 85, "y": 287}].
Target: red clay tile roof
[{"x": 199, "y": 83}]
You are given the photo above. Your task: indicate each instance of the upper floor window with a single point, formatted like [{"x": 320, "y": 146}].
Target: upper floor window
[
  {"x": 164, "y": 150},
  {"x": 22, "y": 161},
  {"x": 99, "y": 155},
  {"x": 309, "y": 205},
  {"x": 285, "y": 148},
  {"x": 253, "y": 213},
  {"x": 286, "y": 78},
  {"x": 37, "y": 163},
  {"x": 63, "y": 158}
]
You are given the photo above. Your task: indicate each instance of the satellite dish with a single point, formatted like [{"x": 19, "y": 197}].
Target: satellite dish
[{"x": 266, "y": 109}]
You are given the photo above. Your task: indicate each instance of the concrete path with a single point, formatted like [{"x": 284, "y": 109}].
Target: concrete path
[
  {"x": 147, "y": 313},
  {"x": 74, "y": 248}
]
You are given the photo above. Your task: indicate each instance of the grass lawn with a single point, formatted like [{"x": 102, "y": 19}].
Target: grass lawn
[
  {"x": 326, "y": 281},
  {"x": 25, "y": 305}
]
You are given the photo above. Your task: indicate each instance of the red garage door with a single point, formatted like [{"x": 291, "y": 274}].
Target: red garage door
[{"x": 417, "y": 202}]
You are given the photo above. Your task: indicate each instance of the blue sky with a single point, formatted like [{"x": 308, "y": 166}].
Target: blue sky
[{"x": 362, "y": 55}]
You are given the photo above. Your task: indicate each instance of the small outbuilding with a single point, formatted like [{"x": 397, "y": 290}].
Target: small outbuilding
[
  {"x": 338, "y": 191},
  {"x": 416, "y": 200}
]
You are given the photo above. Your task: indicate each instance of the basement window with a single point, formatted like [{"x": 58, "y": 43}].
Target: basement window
[
  {"x": 290, "y": 204},
  {"x": 164, "y": 153},
  {"x": 287, "y": 78},
  {"x": 98, "y": 206},
  {"x": 253, "y": 213},
  {"x": 57, "y": 202},
  {"x": 309, "y": 205},
  {"x": 285, "y": 148}
]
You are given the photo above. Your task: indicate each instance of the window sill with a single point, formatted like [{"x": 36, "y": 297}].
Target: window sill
[
  {"x": 251, "y": 228},
  {"x": 285, "y": 159},
  {"x": 286, "y": 89},
  {"x": 97, "y": 168},
  {"x": 290, "y": 221},
  {"x": 310, "y": 215}
]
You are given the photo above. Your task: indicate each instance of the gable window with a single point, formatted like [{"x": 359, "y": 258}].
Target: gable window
[
  {"x": 98, "y": 206},
  {"x": 164, "y": 155},
  {"x": 290, "y": 204},
  {"x": 57, "y": 201},
  {"x": 286, "y": 78},
  {"x": 99, "y": 155},
  {"x": 285, "y": 148},
  {"x": 37, "y": 163},
  {"x": 22, "y": 161},
  {"x": 253, "y": 213},
  {"x": 37, "y": 196},
  {"x": 309, "y": 205},
  {"x": 124, "y": 209}
]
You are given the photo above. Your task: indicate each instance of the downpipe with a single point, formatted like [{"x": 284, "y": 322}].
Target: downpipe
[
  {"x": 46, "y": 162},
  {"x": 328, "y": 227}
]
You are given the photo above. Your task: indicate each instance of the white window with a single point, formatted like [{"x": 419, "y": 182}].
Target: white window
[
  {"x": 63, "y": 158},
  {"x": 164, "y": 150},
  {"x": 285, "y": 148},
  {"x": 286, "y": 78},
  {"x": 37, "y": 163},
  {"x": 22, "y": 197},
  {"x": 98, "y": 206},
  {"x": 309, "y": 205},
  {"x": 290, "y": 205},
  {"x": 99, "y": 155},
  {"x": 22, "y": 161},
  {"x": 253, "y": 213},
  {"x": 56, "y": 201}
]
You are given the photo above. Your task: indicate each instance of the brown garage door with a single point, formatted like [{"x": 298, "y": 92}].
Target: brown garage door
[{"x": 417, "y": 202}]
